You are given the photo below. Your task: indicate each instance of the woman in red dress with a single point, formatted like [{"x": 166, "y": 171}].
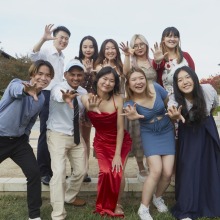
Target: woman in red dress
[{"x": 111, "y": 143}]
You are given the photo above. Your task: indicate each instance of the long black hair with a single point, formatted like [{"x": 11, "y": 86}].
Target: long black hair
[
  {"x": 95, "y": 45},
  {"x": 198, "y": 112},
  {"x": 104, "y": 71}
]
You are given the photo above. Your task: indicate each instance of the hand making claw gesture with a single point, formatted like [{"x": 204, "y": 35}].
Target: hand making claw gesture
[
  {"x": 131, "y": 112},
  {"x": 126, "y": 49},
  {"x": 88, "y": 65},
  {"x": 158, "y": 53},
  {"x": 93, "y": 103},
  {"x": 175, "y": 113},
  {"x": 31, "y": 90},
  {"x": 68, "y": 97},
  {"x": 48, "y": 32}
]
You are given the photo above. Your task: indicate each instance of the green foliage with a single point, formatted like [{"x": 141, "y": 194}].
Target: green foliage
[{"x": 13, "y": 68}]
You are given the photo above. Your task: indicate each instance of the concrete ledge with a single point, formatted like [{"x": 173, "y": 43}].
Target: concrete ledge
[{"x": 19, "y": 185}]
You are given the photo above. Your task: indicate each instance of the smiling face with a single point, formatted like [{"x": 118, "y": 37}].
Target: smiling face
[
  {"x": 87, "y": 48},
  {"x": 110, "y": 51},
  {"x": 140, "y": 48},
  {"x": 137, "y": 83},
  {"x": 61, "y": 41},
  {"x": 74, "y": 76},
  {"x": 106, "y": 83},
  {"x": 171, "y": 41},
  {"x": 185, "y": 83},
  {"x": 42, "y": 77}
]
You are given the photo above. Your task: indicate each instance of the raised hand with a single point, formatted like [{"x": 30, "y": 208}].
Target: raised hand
[
  {"x": 117, "y": 164},
  {"x": 175, "y": 113},
  {"x": 32, "y": 90},
  {"x": 94, "y": 102},
  {"x": 88, "y": 65},
  {"x": 68, "y": 97},
  {"x": 158, "y": 53},
  {"x": 48, "y": 32},
  {"x": 131, "y": 112},
  {"x": 126, "y": 49}
]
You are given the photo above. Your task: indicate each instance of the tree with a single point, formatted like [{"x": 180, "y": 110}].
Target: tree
[
  {"x": 13, "y": 68},
  {"x": 214, "y": 81}
]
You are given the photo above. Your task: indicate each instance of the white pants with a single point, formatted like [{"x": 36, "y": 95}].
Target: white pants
[{"x": 60, "y": 147}]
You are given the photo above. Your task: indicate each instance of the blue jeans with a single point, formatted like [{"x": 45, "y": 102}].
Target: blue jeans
[{"x": 43, "y": 155}]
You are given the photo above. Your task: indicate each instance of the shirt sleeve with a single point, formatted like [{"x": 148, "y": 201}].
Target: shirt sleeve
[
  {"x": 16, "y": 89},
  {"x": 56, "y": 94},
  {"x": 40, "y": 55},
  {"x": 161, "y": 90}
]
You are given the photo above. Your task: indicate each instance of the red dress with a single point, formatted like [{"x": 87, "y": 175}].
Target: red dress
[{"x": 105, "y": 145}]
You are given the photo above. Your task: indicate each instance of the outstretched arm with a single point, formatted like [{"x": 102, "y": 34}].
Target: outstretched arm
[
  {"x": 91, "y": 102},
  {"x": 46, "y": 36}
]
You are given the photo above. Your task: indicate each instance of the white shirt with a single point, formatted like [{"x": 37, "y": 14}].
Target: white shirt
[
  {"x": 57, "y": 61},
  {"x": 60, "y": 114},
  {"x": 210, "y": 95}
]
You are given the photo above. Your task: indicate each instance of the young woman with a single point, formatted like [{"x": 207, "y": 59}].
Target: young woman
[
  {"x": 168, "y": 57},
  {"x": 138, "y": 56},
  {"x": 88, "y": 53},
  {"x": 111, "y": 143},
  {"x": 109, "y": 55},
  {"x": 147, "y": 103},
  {"x": 198, "y": 158}
]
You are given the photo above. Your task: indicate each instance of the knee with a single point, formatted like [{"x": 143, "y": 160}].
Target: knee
[
  {"x": 167, "y": 175},
  {"x": 155, "y": 174}
]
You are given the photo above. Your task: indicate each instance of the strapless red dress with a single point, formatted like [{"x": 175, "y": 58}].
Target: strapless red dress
[{"x": 105, "y": 144}]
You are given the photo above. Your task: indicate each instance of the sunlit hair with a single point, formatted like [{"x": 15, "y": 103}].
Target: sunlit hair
[
  {"x": 169, "y": 31},
  {"x": 198, "y": 111},
  {"x": 95, "y": 45},
  {"x": 61, "y": 28},
  {"x": 132, "y": 43},
  {"x": 129, "y": 92},
  {"x": 101, "y": 55},
  {"x": 34, "y": 68},
  {"x": 104, "y": 71}
]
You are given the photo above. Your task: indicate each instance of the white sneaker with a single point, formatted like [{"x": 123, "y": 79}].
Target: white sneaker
[
  {"x": 35, "y": 218},
  {"x": 186, "y": 219},
  {"x": 142, "y": 175},
  {"x": 144, "y": 213},
  {"x": 159, "y": 203}
]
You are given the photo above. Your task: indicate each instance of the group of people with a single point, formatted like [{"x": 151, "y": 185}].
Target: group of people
[{"x": 155, "y": 108}]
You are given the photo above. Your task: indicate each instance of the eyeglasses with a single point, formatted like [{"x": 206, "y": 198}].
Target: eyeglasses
[{"x": 141, "y": 45}]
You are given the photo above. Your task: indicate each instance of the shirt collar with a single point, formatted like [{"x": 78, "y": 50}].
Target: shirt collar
[{"x": 53, "y": 50}]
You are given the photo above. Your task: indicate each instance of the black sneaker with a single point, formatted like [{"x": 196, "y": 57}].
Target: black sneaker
[
  {"x": 87, "y": 179},
  {"x": 45, "y": 180}
]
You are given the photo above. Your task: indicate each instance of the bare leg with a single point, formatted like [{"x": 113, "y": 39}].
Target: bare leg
[
  {"x": 155, "y": 166},
  {"x": 167, "y": 163}
]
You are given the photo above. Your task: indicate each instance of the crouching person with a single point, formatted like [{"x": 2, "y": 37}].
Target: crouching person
[
  {"x": 64, "y": 140},
  {"x": 19, "y": 107}
]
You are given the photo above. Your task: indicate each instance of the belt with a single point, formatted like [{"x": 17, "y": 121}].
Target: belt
[{"x": 8, "y": 137}]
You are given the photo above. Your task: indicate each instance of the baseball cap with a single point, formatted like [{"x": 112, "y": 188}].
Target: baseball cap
[{"x": 74, "y": 62}]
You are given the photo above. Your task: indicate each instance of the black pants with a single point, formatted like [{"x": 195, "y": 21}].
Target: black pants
[
  {"x": 20, "y": 151},
  {"x": 43, "y": 155}
]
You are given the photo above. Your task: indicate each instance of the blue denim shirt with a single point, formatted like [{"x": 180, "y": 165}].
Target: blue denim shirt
[{"x": 18, "y": 111}]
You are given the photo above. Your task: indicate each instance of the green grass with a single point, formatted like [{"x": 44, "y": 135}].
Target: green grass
[
  {"x": 15, "y": 208},
  {"x": 217, "y": 109}
]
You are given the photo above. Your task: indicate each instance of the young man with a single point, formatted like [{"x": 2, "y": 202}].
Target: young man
[
  {"x": 19, "y": 108},
  {"x": 55, "y": 56},
  {"x": 63, "y": 128}
]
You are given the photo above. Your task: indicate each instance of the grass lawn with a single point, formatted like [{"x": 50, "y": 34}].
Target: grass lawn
[{"x": 15, "y": 208}]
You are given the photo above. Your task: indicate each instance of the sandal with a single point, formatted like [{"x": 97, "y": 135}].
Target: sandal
[{"x": 119, "y": 209}]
